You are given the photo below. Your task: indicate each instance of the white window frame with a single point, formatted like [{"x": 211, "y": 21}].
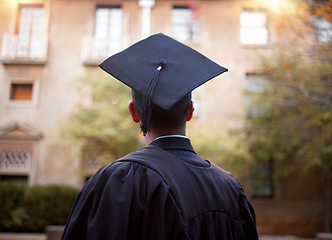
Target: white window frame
[
  {"x": 98, "y": 47},
  {"x": 29, "y": 43},
  {"x": 253, "y": 83},
  {"x": 114, "y": 21},
  {"x": 184, "y": 27},
  {"x": 253, "y": 27},
  {"x": 30, "y": 34}
]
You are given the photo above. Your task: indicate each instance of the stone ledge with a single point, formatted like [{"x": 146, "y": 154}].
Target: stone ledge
[
  {"x": 22, "y": 236},
  {"x": 324, "y": 235},
  {"x": 54, "y": 232}
]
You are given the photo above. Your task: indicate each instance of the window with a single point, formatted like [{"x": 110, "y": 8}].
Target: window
[
  {"x": 261, "y": 172},
  {"x": 253, "y": 28},
  {"x": 18, "y": 143},
  {"x": 30, "y": 31},
  {"x": 90, "y": 163},
  {"x": 92, "y": 160},
  {"x": 107, "y": 36},
  {"x": 15, "y": 164},
  {"x": 108, "y": 22},
  {"x": 29, "y": 43},
  {"x": 253, "y": 84},
  {"x": 261, "y": 180},
  {"x": 184, "y": 27},
  {"x": 322, "y": 30},
  {"x": 15, "y": 159},
  {"x": 20, "y": 91}
]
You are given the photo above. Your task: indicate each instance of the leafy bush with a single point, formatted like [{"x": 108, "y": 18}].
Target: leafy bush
[
  {"x": 13, "y": 214},
  {"x": 31, "y": 209}
]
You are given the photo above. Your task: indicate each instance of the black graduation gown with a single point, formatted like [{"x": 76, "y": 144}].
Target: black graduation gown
[{"x": 151, "y": 194}]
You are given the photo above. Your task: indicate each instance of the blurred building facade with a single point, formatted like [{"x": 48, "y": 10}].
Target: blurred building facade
[{"x": 46, "y": 43}]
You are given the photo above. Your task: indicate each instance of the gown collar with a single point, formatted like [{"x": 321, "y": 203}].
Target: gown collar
[{"x": 173, "y": 142}]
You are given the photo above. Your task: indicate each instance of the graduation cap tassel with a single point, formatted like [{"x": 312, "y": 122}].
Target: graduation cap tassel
[{"x": 147, "y": 98}]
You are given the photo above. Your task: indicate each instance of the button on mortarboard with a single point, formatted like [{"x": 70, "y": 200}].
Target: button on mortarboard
[{"x": 162, "y": 69}]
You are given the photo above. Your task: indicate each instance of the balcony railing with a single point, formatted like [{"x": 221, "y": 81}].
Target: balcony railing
[
  {"x": 23, "y": 49},
  {"x": 95, "y": 50}
]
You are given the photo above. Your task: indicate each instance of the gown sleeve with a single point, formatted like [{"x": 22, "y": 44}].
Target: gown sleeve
[
  {"x": 248, "y": 216},
  {"x": 121, "y": 201}
]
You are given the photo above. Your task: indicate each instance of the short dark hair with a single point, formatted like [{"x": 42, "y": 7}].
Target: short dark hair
[{"x": 175, "y": 116}]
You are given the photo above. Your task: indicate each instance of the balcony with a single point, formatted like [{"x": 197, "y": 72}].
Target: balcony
[
  {"x": 95, "y": 50},
  {"x": 18, "y": 49}
]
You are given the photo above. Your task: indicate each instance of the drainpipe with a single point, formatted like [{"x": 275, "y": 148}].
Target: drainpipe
[{"x": 146, "y": 6}]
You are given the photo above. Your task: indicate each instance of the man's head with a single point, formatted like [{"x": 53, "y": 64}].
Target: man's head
[
  {"x": 173, "y": 118},
  {"x": 163, "y": 71}
]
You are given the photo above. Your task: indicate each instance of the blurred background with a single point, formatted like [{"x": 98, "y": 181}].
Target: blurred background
[{"x": 268, "y": 120}]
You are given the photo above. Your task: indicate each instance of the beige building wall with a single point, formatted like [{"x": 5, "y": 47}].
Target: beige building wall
[{"x": 66, "y": 24}]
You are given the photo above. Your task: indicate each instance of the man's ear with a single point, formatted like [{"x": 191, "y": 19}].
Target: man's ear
[
  {"x": 133, "y": 112},
  {"x": 190, "y": 111}
]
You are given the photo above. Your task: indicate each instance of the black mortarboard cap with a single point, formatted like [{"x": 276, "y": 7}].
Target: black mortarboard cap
[{"x": 162, "y": 69}]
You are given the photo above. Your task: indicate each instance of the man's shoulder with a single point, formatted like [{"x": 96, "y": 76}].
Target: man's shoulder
[
  {"x": 151, "y": 157},
  {"x": 132, "y": 166},
  {"x": 170, "y": 167}
]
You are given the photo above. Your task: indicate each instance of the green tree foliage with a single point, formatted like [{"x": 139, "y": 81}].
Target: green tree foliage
[
  {"x": 100, "y": 121},
  {"x": 47, "y": 205},
  {"x": 295, "y": 114},
  {"x": 224, "y": 148},
  {"x": 295, "y": 109},
  {"x": 11, "y": 201},
  {"x": 294, "y": 121},
  {"x": 31, "y": 208}
]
